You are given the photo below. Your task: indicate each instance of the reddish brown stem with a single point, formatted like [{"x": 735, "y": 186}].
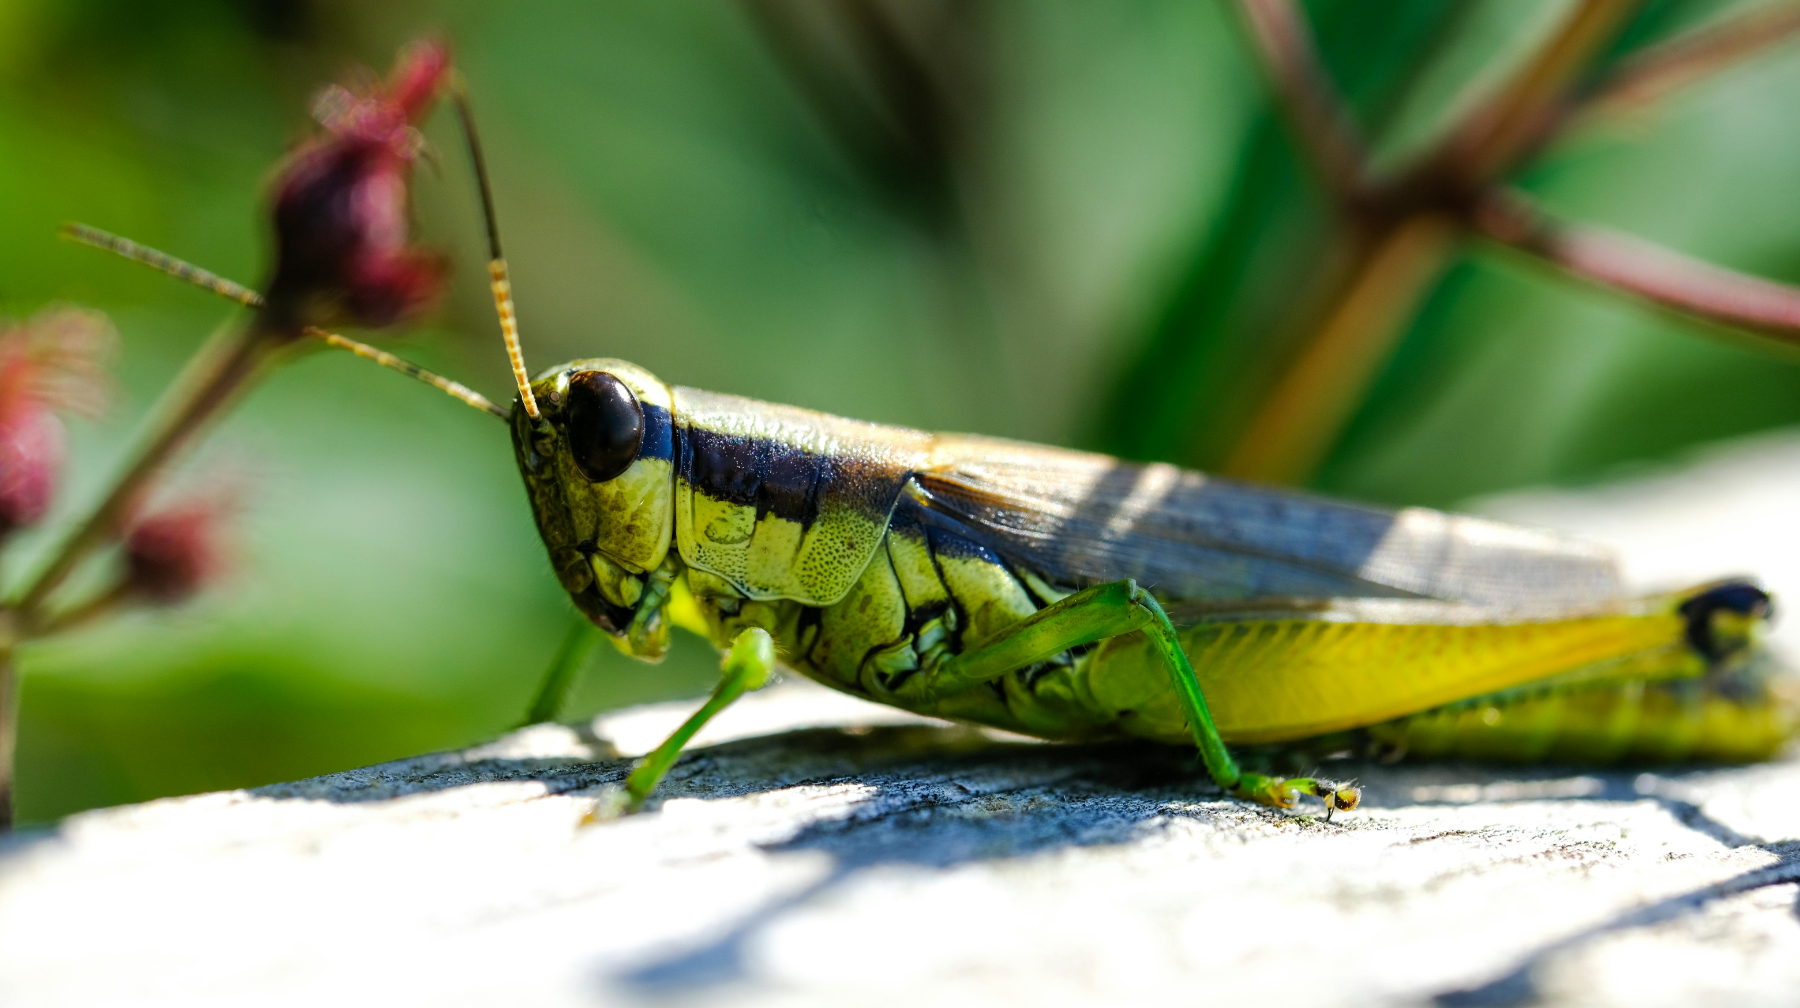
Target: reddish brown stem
[
  {"x": 1320, "y": 120},
  {"x": 9, "y": 733},
  {"x": 106, "y": 603},
  {"x": 1448, "y": 190},
  {"x": 1414, "y": 219},
  {"x": 214, "y": 379},
  {"x": 1645, "y": 270},
  {"x": 1300, "y": 419},
  {"x": 1514, "y": 122},
  {"x": 1655, "y": 71}
]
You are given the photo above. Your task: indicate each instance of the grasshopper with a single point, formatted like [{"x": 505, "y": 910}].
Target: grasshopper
[{"x": 1074, "y": 596}]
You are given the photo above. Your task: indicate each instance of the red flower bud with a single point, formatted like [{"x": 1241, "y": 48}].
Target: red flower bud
[
  {"x": 51, "y": 363},
  {"x": 172, "y": 553},
  {"x": 31, "y": 458},
  {"x": 341, "y": 251}
]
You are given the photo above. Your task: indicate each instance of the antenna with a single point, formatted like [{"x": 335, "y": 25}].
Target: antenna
[
  {"x": 498, "y": 281},
  {"x": 162, "y": 262},
  {"x": 165, "y": 263}
]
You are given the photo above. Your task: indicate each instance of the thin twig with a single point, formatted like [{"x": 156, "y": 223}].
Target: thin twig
[
  {"x": 1319, "y": 390},
  {"x": 103, "y": 604},
  {"x": 1644, "y": 270},
  {"x": 214, "y": 378},
  {"x": 9, "y": 733},
  {"x": 1412, "y": 221},
  {"x": 1513, "y": 122},
  {"x": 1655, "y": 71},
  {"x": 1317, "y": 113},
  {"x": 1301, "y": 418}
]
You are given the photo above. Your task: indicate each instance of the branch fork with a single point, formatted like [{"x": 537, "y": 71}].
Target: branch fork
[{"x": 1457, "y": 189}]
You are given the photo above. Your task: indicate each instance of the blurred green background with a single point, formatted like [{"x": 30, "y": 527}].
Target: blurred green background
[{"x": 1059, "y": 220}]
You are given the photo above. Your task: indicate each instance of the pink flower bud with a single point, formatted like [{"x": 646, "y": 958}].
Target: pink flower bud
[
  {"x": 31, "y": 460},
  {"x": 173, "y": 553},
  {"x": 342, "y": 255},
  {"x": 52, "y": 363}
]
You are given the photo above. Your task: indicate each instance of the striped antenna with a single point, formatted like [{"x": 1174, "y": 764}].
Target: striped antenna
[
  {"x": 163, "y": 262},
  {"x": 498, "y": 280},
  {"x": 408, "y": 368}
]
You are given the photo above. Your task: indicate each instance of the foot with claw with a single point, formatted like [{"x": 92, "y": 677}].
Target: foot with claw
[{"x": 1284, "y": 793}]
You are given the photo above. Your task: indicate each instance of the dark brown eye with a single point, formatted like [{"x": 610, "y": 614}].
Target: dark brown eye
[{"x": 605, "y": 424}]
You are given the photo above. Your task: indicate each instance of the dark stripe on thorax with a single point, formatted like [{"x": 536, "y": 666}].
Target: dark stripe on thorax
[
  {"x": 659, "y": 433},
  {"x": 770, "y": 475}
]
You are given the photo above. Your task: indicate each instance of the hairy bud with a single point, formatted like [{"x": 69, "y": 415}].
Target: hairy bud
[
  {"x": 342, "y": 251},
  {"x": 31, "y": 459},
  {"x": 52, "y": 363},
  {"x": 173, "y": 553}
]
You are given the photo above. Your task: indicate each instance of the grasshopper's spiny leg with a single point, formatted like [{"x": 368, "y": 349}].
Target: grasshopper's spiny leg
[
  {"x": 746, "y": 666},
  {"x": 1109, "y": 610}
]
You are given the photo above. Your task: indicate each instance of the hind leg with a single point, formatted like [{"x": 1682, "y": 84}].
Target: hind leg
[{"x": 1109, "y": 610}]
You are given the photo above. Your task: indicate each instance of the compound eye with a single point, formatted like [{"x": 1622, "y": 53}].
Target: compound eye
[{"x": 605, "y": 424}]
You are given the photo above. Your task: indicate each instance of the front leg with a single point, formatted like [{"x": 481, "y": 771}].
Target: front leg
[
  {"x": 554, "y": 691},
  {"x": 1109, "y": 610},
  {"x": 746, "y": 666}
]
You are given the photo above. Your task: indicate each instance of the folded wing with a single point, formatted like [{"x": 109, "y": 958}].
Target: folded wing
[{"x": 1079, "y": 518}]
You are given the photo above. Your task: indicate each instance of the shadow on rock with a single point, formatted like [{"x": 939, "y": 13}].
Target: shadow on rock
[
  {"x": 1519, "y": 987},
  {"x": 939, "y": 797},
  {"x": 998, "y": 802}
]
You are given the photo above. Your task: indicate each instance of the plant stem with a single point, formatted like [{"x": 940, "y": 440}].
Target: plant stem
[
  {"x": 1655, "y": 71},
  {"x": 1416, "y": 216},
  {"x": 1644, "y": 270},
  {"x": 1516, "y": 121},
  {"x": 104, "y": 604},
  {"x": 212, "y": 379},
  {"x": 1413, "y": 220},
  {"x": 1301, "y": 418},
  {"x": 9, "y": 733},
  {"x": 1316, "y": 113}
]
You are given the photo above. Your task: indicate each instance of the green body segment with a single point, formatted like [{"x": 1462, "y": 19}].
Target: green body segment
[
  {"x": 1610, "y": 685},
  {"x": 876, "y": 557},
  {"x": 1741, "y": 716}
]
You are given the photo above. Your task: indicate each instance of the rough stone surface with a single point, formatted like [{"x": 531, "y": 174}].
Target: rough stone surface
[{"x": 818, "y": 850}]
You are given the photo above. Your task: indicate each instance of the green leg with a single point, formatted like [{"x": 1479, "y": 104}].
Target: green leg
[
  {"x": 747, "y": 665},
  {"x": 1109, "y": 610},
  {"x": 576, "y": 646}
]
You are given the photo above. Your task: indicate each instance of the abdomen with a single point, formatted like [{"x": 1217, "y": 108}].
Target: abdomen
[{"x": 1617, "y": 681}]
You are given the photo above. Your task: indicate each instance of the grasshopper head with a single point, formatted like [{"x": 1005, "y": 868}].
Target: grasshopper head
[{"x": 598, "y": 467}]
